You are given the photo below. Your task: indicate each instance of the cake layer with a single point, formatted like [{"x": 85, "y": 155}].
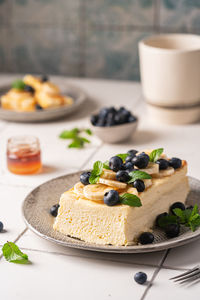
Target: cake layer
[{"x": 95, "y": 222}]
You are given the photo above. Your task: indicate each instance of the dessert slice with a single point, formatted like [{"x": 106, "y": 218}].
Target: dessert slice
[{"x": 119, "y": 205}]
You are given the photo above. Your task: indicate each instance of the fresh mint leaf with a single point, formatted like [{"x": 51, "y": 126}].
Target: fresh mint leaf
[
  {"x": 181, "y": 214},
  {"x": 13, "y": 254},
  {"x": 123, "y": 156},
  {"x": 138, "y": 175},
  {"x": 96, "y": 172},
  {"x": 93, "y": 178},
  {"x": 69, "y": 134},
  {"x": 84, "y": 140},
  {"x": 18, "y": 84},
  {"x": 77, "y": 143},
  {"x": 155, "y": 154},
  {"x": 88, "y": 131},
  {"x": 106, "y": 165},
  {"x": 97, "y": 167},
  {"x": 130, "y": 199},
  {"x": 166, "y": 220}
]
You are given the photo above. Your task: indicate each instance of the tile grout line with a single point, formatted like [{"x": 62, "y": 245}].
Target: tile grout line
[
  {"x": 157, "y": 270},
  {"x": 17, "y": 238}
]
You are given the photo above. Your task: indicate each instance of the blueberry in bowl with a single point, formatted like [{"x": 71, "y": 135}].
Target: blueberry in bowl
[{"x": 113, "y": 125}]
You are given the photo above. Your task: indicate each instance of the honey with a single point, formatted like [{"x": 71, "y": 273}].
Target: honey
[{"x": 23, "y": 155}]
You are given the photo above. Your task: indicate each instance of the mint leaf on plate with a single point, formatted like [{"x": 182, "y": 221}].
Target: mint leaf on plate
[
  {"x": 138, "y": 175},
  {"x": 18, "y": 84},
  {"x": 167, "y": 220},
  {"x": 155, "y": 154},
  {"x": 13, "y": 254},
  {"x": 130, "y": 199},
  {"x": 96, "y": 172}
]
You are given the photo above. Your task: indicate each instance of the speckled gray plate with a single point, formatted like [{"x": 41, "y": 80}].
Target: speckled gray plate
[
  {"x": 36, "y": 215},
  {"x": 45, "y": 115}
]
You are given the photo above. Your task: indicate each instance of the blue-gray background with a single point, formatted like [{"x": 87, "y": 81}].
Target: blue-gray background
[{"x": 86, "y": 38}]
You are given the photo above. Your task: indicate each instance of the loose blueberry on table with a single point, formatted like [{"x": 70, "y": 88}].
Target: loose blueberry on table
[
  {"x": 140, "y": 277},
  {"x": 1, "y": 226},
  {"x": 111, "y": 116}
]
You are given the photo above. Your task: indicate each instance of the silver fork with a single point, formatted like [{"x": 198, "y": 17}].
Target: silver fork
[{"x": 190, "y": 276}]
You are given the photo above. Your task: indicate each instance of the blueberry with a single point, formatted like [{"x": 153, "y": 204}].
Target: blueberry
[
  {"x": 146, "y": 238},
  {"x": 131, "y": 119},
  {"x": 122, "y": 176},
  {"x": 129, "y": 158},
  {"x": 110, "y": 120},
  {"x": 122, "y": 117},
  {"x": 104, "y": 112},
  {"x": 163, "y": 164},
  {"x": 29, "y": 89},
  {"x": 132, "y": 152},
  {"x": 94, "y": 119},
  {"x": 140, "y": 277},
  {"x": 139, "y": 185},
  {"x": 176, "y": 205},
  {"x": 111, "y": 198},
  {"x": 175, "y": 162},
  {"x": 159, "y": 217},
  {"x": 141, "y": 161},
  {"x": 172, "y": 230},
  {"x": 101, "y": 121},
  {"x": 38, "y": 107},
  {"x": 84, "y": 178},
  {"x": 115, "y": 163},
  {"x": 1, "y": 226},
  {"x": 54, "y": 210},
  {"x": 190, "y": 207},
  {"x": 129, "y": 166},
  {"x": 44, "y": 78}
]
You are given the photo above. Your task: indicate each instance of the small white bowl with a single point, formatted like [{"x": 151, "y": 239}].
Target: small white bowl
[{"x": 116, "y": 133}]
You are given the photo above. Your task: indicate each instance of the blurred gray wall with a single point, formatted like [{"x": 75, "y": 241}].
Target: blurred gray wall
[{"x": 87, "y": 38}]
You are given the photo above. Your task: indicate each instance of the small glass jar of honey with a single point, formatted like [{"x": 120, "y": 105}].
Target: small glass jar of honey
[{"x": 23, "y": 155}]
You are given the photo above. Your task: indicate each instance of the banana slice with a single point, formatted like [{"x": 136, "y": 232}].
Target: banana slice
[
  {"x": 152, "y": 168},
  {"x": 162, "y": 173},
  {"x": 108, "y": 174},
  {"x": 147, "y": 183},
  {"x": 95, "y": 192},
  {"x": 114, "y": 183},
  {"x": 78, "y": 189},
  {"x": 131, "y": 190}
]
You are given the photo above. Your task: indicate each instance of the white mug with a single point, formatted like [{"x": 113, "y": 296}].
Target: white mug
[{"x": 170, "y": 75}]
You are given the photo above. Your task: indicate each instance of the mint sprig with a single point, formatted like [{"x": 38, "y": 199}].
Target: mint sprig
[
  {"x": 13, "y": 254},
  {"x": 138, "y": 175},
  {"x": 188, "y": 217},
  {"x": 18, "y": 84},
  {"x": 96, "y": 172},
  {"x": 155, "y": 154},
  {"x": 74, "y": 134},
  {"x": 106, "y": 165},
  {"x": 123, "y": 156},
  {"x": 130, "y": 199}
]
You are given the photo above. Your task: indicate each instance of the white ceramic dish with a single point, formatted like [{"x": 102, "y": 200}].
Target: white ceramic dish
[
  {"x": 115, "y": 134},
  {"x": 45, "y": 115},
  {"x": 36, "y": 214}
]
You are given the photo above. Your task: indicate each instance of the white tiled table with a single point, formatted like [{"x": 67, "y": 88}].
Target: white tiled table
[{"x": 63, "y": 273}]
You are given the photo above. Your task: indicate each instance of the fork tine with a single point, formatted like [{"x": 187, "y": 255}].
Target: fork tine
[
  {"x": 191, "y": 275},
  {"x": 185, "y": 273},
  {"x": 192, "y": 278}
]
